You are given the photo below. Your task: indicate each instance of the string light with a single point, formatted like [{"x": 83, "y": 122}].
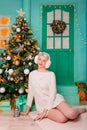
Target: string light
[{"x": 83, "y": 38}]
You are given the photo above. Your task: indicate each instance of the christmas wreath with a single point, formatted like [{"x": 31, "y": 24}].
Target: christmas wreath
[{"x": 58, "y": 26}]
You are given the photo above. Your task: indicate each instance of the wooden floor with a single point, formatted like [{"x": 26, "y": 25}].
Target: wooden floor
[{"x": 8, "y": 122}]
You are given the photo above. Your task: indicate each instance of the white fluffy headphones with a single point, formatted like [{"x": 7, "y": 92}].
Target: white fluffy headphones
[{"x": 44, "y": 53}]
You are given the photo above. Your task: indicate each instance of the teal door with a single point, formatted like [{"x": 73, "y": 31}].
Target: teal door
[{"x": 59, "y": 46}]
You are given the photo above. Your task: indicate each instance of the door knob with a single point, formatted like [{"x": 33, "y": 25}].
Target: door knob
[{"x": 71, "y": 49}]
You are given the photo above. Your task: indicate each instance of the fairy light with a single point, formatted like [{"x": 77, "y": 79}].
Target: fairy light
[{"x": 83, "y": 38}]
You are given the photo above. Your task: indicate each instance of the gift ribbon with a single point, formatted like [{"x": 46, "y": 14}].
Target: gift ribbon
[{"x": 20, "y": 101}]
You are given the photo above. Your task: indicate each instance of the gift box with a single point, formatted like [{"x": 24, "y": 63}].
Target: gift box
[
  {"x": 5, "y": 106},
  {"x": 21, "y": 102}
]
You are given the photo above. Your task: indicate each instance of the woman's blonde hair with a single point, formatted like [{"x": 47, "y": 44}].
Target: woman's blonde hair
[{"x": 48, "y": 63}]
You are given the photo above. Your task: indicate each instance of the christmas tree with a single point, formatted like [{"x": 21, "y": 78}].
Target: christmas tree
[{"x": 17, "y": 60}]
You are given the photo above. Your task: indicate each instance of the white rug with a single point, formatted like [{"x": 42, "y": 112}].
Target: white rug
[{"x": 78, "y": 124}]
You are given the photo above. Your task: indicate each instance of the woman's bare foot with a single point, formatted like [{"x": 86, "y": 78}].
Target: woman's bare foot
[{"x": 82, "y": 110}]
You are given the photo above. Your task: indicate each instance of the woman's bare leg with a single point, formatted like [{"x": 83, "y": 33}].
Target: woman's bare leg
[
  {"x": 63, "y": 112},
  {"x": 56, "y": 115},
  {"x": 70, "y": 112}
]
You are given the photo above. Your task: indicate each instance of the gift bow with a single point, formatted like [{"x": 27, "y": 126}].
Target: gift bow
[{"x": 21, "y": 100}]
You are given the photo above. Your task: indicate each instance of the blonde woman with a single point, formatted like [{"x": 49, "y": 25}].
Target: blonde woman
[{"x": 42, "y": 88}]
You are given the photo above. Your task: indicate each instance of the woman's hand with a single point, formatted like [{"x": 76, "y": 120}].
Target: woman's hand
[
  {"x": 26, "y": 112},
  {"x": 41, "y": 115}
]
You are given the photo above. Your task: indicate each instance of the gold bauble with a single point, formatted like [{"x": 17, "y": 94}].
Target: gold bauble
[
  {"x": 19, "y": 22},
  {"x": 30, "y": 30},
  {"x": 24, "y": 49},
  {"x": 25, "y": 43},
  {"x": 21, "y": 78},
  {"x": 15, "y": 72},
  {"x": 28, "y": 43},
  {"x": 17, "y": 62},
  {"x": 24, "y": 63},
  {"x": 22, "y": 28},
  {"x": 18, "y": 40},
  {"x": 25, "y": 24}
]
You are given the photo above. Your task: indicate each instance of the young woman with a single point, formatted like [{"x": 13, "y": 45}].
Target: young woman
[{"x": 42, "y": 88}]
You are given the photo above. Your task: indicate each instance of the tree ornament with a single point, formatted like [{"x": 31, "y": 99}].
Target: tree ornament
[
  {"x": 58, "y": 26},
  {"x": 4, "y": 54},
  {"x": 1, "y": 79},
  {"x": 16, "y": 57},
  {"x": 30, "y": 30},
  {"x": 8, "y": 58},
  {"x": 24, "y": 49},
  {"x": 6, "y": 71},
  {"x": 10, "y": 71},
  {"x": 21, "y": 90},
  {"x": 16, "y": 81},
  {"x": 26, "y": 90},
  {"x": 5, "y": 65},
  {"x": 23, "y": 36},
  {"x": 25, "y": 43},
  {"x": 22, "y": 28},
  {"x": 30, "y": 63},
  {"x": 2, "y": 90},
  {"x": 1, "y": 71},
  {"x": 17, "y": 62},
  {"x": 11, "y": 79},
  {"x": 28, "y": 43},
  {"x": 8, "y": 78},
  {"x": 24, "y": 63},
  {"x": 15, "y": 72},
  {"x": 30, "y": 57},
  {"x": 21, "y": 78},
  {"x": 20, "y": 12},
  {"x": 18, "y": 29},
  {"x": 19, "y": 22},
  {"x": 26, "y": 71}
]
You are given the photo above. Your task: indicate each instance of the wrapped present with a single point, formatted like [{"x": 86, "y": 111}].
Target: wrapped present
[
  {"x": 5, "y": 103},
  {"x": 82, "y": 95},
  {"x": 5, "y": 106},
  {"x": 81, "y": 84},
  {"x": 21, "y": 102},
  {"x": 5, "y": 109}
]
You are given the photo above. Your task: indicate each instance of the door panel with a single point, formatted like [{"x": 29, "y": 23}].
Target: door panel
[{"x": 59, "y": 46}]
